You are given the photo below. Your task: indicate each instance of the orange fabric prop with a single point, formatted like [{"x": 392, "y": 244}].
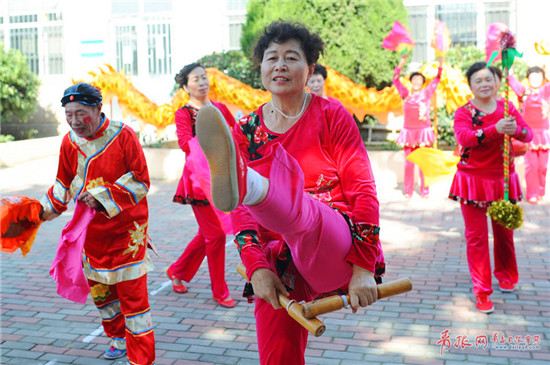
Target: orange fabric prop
[{"x": 20, "y": 220}]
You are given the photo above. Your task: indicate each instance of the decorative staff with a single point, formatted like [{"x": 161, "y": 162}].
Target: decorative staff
[{"x": 503, "y": 211}]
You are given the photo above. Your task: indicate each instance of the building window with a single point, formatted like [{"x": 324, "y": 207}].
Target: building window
[
  {"x": 124, "y": 7},
  {"x": 126, "y": 49},
  {"x": 417, "y": 21},
  {"x": 26, "y": 41},
  {"x": 28, "y": 18},
  {"x": 157, "y": 6},
  {"x": 236, "y": 4},
  {"x": 52, "y": 17},
  {"x": 53, "y": 37},
  {"x": 461, "y": 21},
  {"x": 235, "y": 31},
  {"x": 159, "y": 49},
  {"x": 497, "y": 12}
]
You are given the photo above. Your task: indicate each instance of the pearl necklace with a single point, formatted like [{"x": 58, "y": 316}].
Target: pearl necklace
[{"x": 288, "y": 116}]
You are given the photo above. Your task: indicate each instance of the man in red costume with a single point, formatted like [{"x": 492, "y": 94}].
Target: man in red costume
[{"x": 102, "y": 165}]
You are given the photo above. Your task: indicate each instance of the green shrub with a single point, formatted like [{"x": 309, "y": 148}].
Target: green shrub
[
  {"x": 353, "y": 32},
  {"x": 18, "y": 85},
  {"x": 6, "y": 138},
  {"x": 236, "y": 65},
  {"x": 445, "y": 132}
]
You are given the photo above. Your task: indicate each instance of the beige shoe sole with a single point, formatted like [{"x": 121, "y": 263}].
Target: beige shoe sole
[{"x": 217, "y": 144}]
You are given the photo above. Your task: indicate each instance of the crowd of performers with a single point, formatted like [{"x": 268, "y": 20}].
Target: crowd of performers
[{"x": 297, "y": 180}]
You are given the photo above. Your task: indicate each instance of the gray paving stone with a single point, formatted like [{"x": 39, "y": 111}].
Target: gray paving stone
[
  {"x": 22, "y": 354},
  {"x": 396, "y": 330}
]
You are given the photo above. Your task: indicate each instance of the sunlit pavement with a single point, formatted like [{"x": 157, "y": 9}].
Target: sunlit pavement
[{"x": 436, "y": 323}]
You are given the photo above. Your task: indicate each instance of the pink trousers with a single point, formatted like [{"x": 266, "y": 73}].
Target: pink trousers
[
  {"x": 319, "y": 239},
  {"x": 408, "y": 178},
  {"x": 209, "y": 242},
  {"x": 536, "y": 166},
  {"x": 477, "y": 249}
]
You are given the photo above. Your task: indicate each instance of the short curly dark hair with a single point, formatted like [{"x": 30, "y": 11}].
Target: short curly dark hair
[
  {"x": 320, "y": 70},
  {"x": 281, "y": 31},
  {"x": 496, "y": 71},
  {"x": 182, "y": 77},
  {"x": 475, "y": 68}
]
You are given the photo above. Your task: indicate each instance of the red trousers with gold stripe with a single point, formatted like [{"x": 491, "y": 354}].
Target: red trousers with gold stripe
[{"x": 126, "y": 317}]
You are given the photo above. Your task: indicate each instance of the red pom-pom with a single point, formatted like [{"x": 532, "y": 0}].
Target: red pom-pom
[
  {"x": 519, "y": 147},
  {"x": 507, "y": 40}
]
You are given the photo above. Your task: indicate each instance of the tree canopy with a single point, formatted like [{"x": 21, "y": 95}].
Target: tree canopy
[
  {"x": 352, "y": 30},
  {"x": 18, "y": 85}
]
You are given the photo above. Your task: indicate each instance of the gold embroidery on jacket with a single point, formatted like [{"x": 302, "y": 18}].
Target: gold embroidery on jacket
[
  {"x": 95, "y": 183},
  {"x": 138, "y": 237}
]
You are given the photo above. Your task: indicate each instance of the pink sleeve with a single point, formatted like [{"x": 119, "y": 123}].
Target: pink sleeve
[
  {"x": 465, "y": 133},
  {"x": 430, "y": 89},
  {"x": 183, "y": 128},
  {"x": 523, "y": 131},
  {"x": 357, "y": 181},
  {"x": 401, "y": 89},
  {"x": 545, "y": 91},
  {"x": 518, "y": 88}
]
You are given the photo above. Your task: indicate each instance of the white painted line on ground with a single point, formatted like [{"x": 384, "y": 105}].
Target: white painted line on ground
[
  {"x": 93, "y": 335},
  {"x": 51, "y": 362},
  {"x": 229, "y": 242},
  {"x": 162, "y": 286}
]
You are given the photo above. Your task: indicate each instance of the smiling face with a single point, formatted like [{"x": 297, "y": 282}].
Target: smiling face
[
  {"x": 83, "y": 119},
  {"x": 482, "y": 84},
  {"x": 417, "y": 82},
  {"x": 198, "y": 85},
  {"x": 284, "y": 68},
  {"x": 316, "y": 84}
]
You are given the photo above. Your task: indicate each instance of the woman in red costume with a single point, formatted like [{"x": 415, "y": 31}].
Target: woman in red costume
[
  {"x": 479, "y": 128},
  {"x": 298, "y": 181},
  {"x": 210, "y": 240},
  {"x": 536, "y": 112},
  {"x": 417, "y": 128}
]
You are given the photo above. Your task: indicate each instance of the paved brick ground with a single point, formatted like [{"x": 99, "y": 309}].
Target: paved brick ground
[{"x": 423, "y": 240}]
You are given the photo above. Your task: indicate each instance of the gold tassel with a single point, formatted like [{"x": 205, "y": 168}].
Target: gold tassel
[{"x": 506, "y": 214}]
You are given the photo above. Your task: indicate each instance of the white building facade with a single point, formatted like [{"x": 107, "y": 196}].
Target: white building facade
[
  {"x": 150, "y": 40},
  {"x": 468, "y": 22}
]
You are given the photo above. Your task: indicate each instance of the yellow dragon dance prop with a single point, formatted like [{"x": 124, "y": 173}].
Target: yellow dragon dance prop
[
  {"x": 543, "y": 48},
  {"x": 453, "y": 91}
]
